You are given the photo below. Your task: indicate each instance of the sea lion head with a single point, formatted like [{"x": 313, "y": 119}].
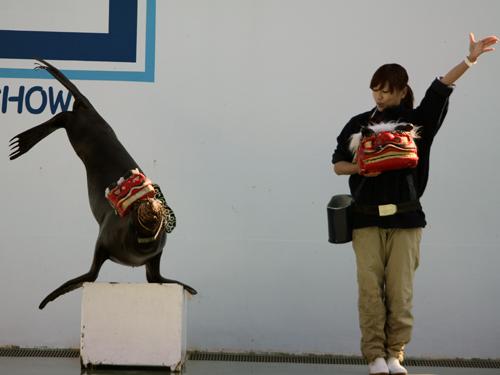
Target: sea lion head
[{"x": 147, "y": 216}]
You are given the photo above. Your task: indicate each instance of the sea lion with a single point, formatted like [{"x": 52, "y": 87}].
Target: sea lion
[{"x": 124, "y": 240}]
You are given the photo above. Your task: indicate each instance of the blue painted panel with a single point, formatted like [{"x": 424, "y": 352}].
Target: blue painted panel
[{"x": 118, "y": 45}]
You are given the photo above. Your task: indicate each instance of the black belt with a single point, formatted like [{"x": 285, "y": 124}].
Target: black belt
[{"x": 387, "y": 209}]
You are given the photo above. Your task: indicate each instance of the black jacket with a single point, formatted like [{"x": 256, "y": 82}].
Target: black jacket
[{"x": 392, "y": 186}]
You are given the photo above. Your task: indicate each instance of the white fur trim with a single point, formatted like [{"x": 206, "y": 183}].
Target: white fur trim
[{"x": 120, "y": 182}]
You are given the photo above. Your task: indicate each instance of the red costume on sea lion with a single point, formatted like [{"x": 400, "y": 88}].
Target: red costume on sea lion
[{"x": 129, "y": 189}]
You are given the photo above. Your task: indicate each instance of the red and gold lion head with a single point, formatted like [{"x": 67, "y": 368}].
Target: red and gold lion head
[
  {"x": 132, "y": 187},
  {"x": 384, "y": 147}
]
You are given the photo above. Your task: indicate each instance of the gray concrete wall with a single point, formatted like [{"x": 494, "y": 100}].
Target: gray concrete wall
[{"x": 238, "y": 129}]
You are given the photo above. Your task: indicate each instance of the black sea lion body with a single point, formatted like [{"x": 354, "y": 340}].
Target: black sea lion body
[{"x": 105, "y": 160}]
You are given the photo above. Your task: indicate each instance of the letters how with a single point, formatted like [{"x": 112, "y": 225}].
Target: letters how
[{"x": 35, "y": 100}]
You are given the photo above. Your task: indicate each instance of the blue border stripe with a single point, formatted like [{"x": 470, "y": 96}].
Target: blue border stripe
[
  {"x": 148, "y": 75},
  {"x": 119, "y": 44}
]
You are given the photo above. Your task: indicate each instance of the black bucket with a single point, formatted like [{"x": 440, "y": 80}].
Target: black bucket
[{"x": 339, "y": 219}]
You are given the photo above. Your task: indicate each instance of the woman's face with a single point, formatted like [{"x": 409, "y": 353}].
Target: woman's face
[{"x": 386, "y": 99}]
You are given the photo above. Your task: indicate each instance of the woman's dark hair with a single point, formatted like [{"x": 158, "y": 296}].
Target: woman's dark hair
[{"x": 397, "y": 78}]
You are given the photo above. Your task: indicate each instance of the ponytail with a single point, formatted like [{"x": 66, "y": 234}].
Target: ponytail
[{"x": 408, "y": 99}]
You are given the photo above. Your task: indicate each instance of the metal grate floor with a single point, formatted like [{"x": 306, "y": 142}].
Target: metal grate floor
[
  {"x": 338, "y": 360},
  {"x": 268, "y": 358},
  {"x": 50, "y": 353}
]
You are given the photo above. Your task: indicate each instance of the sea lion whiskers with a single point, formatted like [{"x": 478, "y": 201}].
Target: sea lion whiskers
[{"x": 147, "y": 216}]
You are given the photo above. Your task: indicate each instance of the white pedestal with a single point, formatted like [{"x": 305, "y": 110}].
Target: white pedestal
[{"x": 133, "y": 325}]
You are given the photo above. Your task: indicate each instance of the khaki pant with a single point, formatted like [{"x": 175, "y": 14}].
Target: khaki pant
[{"x": 386, "y": 261}]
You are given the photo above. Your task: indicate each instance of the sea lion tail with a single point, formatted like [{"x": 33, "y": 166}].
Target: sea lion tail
[
  {"x": 80, "y": 99},
  {"x": 23, "y": 142}
]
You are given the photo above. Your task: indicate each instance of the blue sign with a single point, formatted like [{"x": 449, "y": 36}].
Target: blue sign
[{"x": 118, "y": 45}]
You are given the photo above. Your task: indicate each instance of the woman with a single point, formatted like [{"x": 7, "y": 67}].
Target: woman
[{"x": 387, "y": 247}]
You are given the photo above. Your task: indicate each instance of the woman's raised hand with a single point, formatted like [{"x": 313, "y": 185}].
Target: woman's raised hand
[{"x": 481, "y": 46}]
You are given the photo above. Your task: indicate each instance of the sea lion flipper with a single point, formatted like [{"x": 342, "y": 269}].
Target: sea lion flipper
[
  {"x": 80, "y": 99},
  {"x": 66, "y": 288},
  {"x": 153, "y": 275},
  {"x": 23, "y": 142},
  {"x": 100, "y": 256}
]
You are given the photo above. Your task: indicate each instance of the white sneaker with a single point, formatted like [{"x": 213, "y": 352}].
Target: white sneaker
[
  {"x": 379, "y": 367},
  {"x": 395, "y": 367}
]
